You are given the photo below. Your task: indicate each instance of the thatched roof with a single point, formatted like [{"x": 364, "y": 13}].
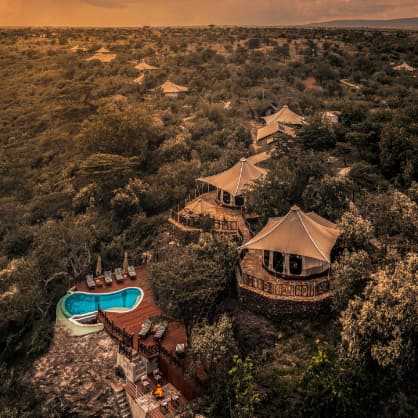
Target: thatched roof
[
  {"x": 272, "y": 129},
  {"x": 102, "y": 57},
  {"x": 305, "y": 234},
  {"x": 169, "y": 87},
  {"x": 139, "y": 80},
  {"x": 143, "y": 66},
  {"x": 103, "y": 50},
  {"x": 285, "y": 116},
  {"x": 77, "y": 48},
  {"x": 237, "y": 178},
  {"x": 404, "y": 66}
]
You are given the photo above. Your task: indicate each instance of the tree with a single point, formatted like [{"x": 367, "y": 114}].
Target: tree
[
  {"x": 317, "y": 137},
  {"x": 380, "y": 328},
  {"x": 116, "y": 130},
  {"x": 356, "y": 231},
  {"x": 328, "y": 196},
  {"x": 285, "y": 183},
  {"x": 243, "y": 388},
  {"x": 330, "y": 390},
  {"x": 188, "y": 282},
  {"x": 214, "y": 344},
  {"x": 128, "y": 200},
  {"x": 63, "y": 246},
  {"x": 350, "y": 272}
]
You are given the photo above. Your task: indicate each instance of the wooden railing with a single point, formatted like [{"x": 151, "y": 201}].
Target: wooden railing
[
  {"x": 286, "y": 288},
  {"x": 200, "y": 222},
  {"x": 119, "y": 333}
]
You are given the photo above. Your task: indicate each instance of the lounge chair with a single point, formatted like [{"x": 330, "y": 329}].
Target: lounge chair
[
  {"x": 119, "y": 275},
  {"x": 91, "y": 284},
  {"x": 145, "y": 329},
  {"x": 131, "y": 272},
  {"x": 161, "y": 330},
  {"x": 157, "y": 375},
  {"x": 108, "y": 277},
  {"x": 145, "y": 382}
]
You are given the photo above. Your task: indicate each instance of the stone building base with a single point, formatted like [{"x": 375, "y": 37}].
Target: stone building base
[{"x": 278, "y": 308}]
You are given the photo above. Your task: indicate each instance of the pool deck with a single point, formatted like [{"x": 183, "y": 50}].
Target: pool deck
[
  {"x": 174, "y": 370},
  {"x": 132, "y": 321}
]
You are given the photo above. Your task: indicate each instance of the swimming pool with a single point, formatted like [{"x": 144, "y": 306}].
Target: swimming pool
[{"x": 81, "y": 303}]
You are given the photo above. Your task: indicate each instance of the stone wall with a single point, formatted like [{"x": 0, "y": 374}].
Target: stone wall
[{"x": 279, "y": 308}]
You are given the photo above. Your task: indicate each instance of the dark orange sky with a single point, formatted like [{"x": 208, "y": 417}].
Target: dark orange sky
[{"x": 195, "y": 12}]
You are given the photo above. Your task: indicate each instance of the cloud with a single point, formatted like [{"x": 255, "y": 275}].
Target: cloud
[
  {"x": 109, "y": 4},
  {"x": 197, "y": 12}
]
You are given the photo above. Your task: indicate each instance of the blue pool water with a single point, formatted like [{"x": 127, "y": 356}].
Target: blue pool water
[{"x": 80, "y": 303}]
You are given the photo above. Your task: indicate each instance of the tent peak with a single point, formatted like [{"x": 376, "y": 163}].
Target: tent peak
[
  {"x": 243, "y": 159},
  {"x": 295, "y": 208}
]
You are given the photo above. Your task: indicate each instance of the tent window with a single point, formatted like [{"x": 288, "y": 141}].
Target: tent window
[
  {"x": 239, "y": 200},
  {"x": 295, "y": 264},
  {"x": 266, "y": 258},
  {"x": 278, "y": 262},
  {"x": 227, "y": 198}
]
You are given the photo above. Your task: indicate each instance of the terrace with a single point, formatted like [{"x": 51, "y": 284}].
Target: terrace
[
  {"x": 252, "y": 275},
  {"x": 206, "y": 213},
  {"x": 125, "y": 326}
]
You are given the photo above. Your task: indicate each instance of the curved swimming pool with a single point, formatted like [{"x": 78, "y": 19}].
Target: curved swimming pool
[{"x": 81, "y": 303}]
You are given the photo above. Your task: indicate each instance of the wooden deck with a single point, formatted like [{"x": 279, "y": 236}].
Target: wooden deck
[
  {"x": 252, "y": 276},
  {"x": 125, "y": 327},
  {"x": 133, "y": 320},
  {"x": 217, "y": 212}
]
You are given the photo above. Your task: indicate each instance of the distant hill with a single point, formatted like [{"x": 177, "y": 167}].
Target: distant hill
[{"x": 405, "y": 23}]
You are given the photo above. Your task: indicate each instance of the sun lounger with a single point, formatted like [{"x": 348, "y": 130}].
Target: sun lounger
[
  {"x": 108, "y": 277},
  {"x": 161, "y": 330},
  {"x": 157, "y": 375},
  {"x": 145, "y": 382},
  {"x": 119, "y": 275},
  {"x": 91, "y": 284},
  {"x": 131, "y": 272},
  {"x": 145, "y": 329}
]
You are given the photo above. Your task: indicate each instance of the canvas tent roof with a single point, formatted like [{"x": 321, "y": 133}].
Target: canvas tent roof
[
  {"x": 235, "y": 179},
  {"x": 305, "y": 234},
  {"x": 143, "y": 66},
  {"x": 170, "y": 87},
  {"x": 273, "y": 128},
  {"x": 200, "y": 206},
  {"x": 286, "y": 116}
]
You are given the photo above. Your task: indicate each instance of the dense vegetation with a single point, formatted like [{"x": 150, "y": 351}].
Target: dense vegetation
[{"x": 90, "y": 163}]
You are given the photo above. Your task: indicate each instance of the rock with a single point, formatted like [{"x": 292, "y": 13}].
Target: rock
[{"x": 74, "y": 375}]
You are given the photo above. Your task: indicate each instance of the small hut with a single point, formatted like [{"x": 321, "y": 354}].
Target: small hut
[
  {"x": 404, "y": 67},
  {"x": 140, "y": 80},
  {"x": 171, "y": 89},
  {"x": 284, "y": 116},
  {"x": 102, "y": 55},
  {"x": 231, "y": 183},
  {"x": 143, "y": 66}
]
